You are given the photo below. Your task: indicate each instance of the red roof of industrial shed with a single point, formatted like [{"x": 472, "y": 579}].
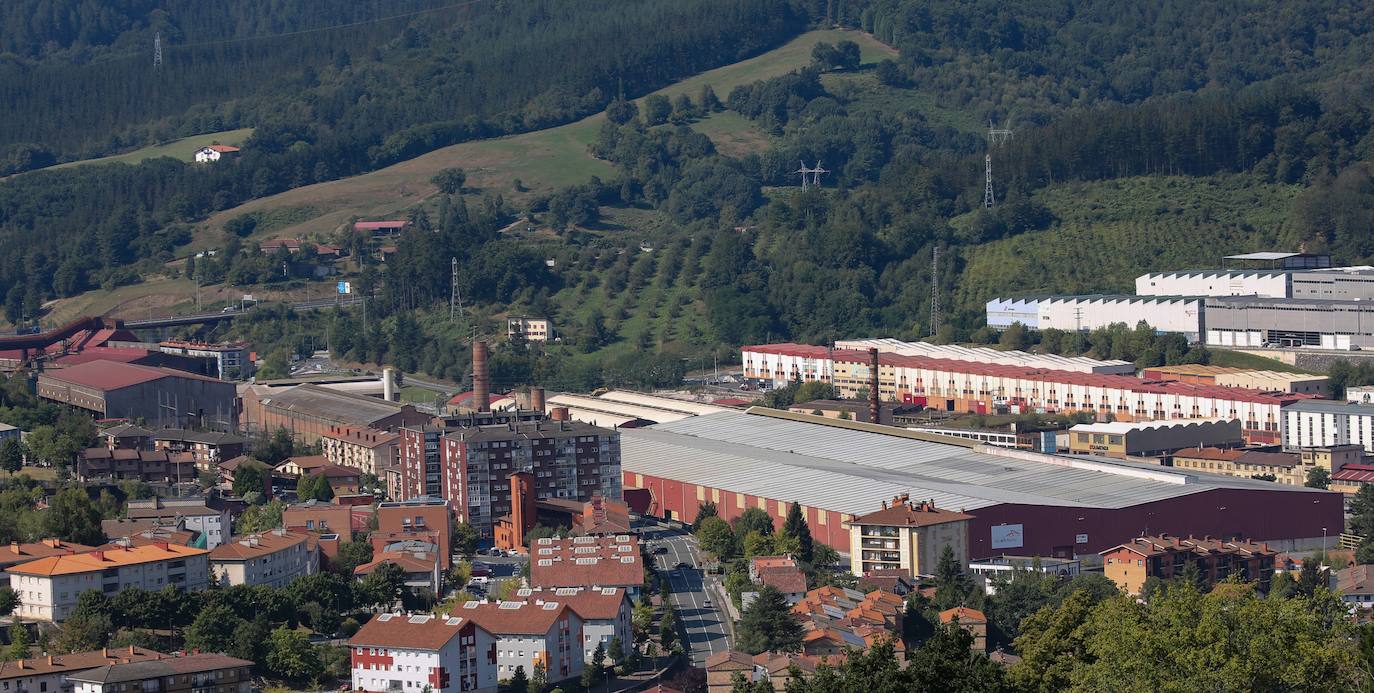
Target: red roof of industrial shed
[
  {"x": 1354, "y": 472},
  {"x": 113, "y": 375},
  {"x": 1042, "y": 374}
]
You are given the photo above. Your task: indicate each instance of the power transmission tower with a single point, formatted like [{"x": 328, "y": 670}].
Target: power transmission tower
[
  {"x": 816, "y": 174},
  {"x": 803, "y": 171},
  {"x": 157, "y": 50},
  {"x": 988, "y": 199},
  {"x": 935, "y": 291},
  {"x": 455, "y": 297},
  {"x": 996, "y": 136}
]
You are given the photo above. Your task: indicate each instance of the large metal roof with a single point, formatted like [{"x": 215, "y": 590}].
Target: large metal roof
[
  {"x": 848, "y": 467},
  {"x": 332, "y": 405}
]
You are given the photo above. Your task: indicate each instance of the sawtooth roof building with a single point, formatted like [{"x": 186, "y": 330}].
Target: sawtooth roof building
[{"x": 1029, "y": 502}]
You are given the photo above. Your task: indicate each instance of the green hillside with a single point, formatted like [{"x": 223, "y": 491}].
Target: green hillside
[
  {"x": 183, "y": 149},
  {"x": 1109, "y": 232}
]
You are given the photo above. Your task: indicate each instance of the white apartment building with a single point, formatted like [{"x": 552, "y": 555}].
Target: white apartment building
[
  {"x": 396, "y": 653},
  {"x": 273, "y": 558},
  {"x": 49, "y": 587},
  {"x": 532, "y": 329},
  {"x": 1323, "y": 423},
  {"x": 530, "y": 635},
  {"x": 606, "y": 614}
]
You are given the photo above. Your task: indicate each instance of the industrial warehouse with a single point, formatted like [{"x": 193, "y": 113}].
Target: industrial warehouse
[
  {"x": 1299, "y": 300},
  {"x": 1021, "y": 502}
]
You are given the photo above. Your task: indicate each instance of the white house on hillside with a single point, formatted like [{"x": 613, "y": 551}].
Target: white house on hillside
[{"x": 215, "y": 152}]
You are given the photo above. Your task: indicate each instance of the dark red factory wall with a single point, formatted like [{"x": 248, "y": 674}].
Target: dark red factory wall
[
  {"x": 680, "y": 499},
  {"x": 1250, "y": 514}
]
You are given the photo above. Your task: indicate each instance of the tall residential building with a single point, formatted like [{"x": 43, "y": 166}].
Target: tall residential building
[
  {"x": 48, "y": 588},
  {"x": 471, "y": 466},
  {"x": 395, "y": 652},
  {"x": 907, "y": 535}
]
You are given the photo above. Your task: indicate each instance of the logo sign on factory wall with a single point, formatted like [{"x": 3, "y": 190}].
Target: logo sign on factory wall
[{"x": 1008, "y": 537}]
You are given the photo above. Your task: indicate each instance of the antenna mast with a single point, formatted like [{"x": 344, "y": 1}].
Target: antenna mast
[
  {"x": 935, "y": 316},
  {"x": 157, "y": 50}
]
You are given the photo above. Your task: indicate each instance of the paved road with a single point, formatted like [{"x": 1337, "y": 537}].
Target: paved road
[{"x": 705, "y": 627}]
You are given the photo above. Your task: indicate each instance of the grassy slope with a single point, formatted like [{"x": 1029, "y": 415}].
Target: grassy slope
[
  {"x": 183, "y": 149},
  {"x": 1110, "y": 232},
  {"x": 542, "y": 160}
]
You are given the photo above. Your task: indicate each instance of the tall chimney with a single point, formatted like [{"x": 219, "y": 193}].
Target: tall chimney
[
  {"x": 481, "y": 378},
  {"x": 389, "y": 384},
  {"x": 873, "y": 407},
  {"x": 537, "y": 399}
]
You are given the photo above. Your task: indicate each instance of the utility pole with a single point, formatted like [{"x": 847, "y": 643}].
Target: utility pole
[{"x": 935, "y": 316}]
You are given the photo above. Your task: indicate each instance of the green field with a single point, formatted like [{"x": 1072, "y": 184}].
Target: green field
[
  {"x": 542, "y": 161},
  {"x": 183, "y": 149}
]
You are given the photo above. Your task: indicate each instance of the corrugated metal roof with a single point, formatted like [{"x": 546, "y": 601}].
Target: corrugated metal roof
[
  {"x": 836, "y": 467},
  {"x": 331, "y": 405}
]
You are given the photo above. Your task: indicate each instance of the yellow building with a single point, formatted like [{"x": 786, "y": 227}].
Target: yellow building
[
  {"x": 1151, "y": 438},
  {"x": 1286, "y": 468},
  {"x": 907, "y": 536}
]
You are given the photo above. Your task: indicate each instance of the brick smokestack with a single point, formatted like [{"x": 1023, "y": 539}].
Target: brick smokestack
[
  {"x": 537, "y": 398},
  {"x": 522, "y": 509},
  {"x": 481, "y": 377},
  {"x": 873, "y": 406}
]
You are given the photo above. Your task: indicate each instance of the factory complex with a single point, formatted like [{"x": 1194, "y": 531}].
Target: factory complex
[
  {"x": 1020, "y": 501},
  {"x": 985, "y": 388}
]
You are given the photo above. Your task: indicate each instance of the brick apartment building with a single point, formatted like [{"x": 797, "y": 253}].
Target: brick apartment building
[
  {"x": 1130, "y": 564},
  {"x": 471, "y": 466},
  {"x": 423, "y": 519}
]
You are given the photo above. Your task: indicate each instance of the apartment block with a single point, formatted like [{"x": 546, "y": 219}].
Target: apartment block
[
  {"x": 471, "y": 466},
  {"x": 195, "y": 673},
  {"x": 588, "y": 562},
  {"x": 272, "y": 558},
  {"x": 531, "y": 635},
  {"x": 396, "y": 652},
  {"x": 906, "y": 535},
  {"x": 48, "y": 674},
  {"x": 48, "y": 588},
  {"x": 1130, "y": 564},
  {"x": 606, "y": 614},
  {"x": 367, "y": 449}
]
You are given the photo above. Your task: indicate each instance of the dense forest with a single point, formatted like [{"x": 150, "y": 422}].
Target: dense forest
[{"x": 1241, "y": 94}]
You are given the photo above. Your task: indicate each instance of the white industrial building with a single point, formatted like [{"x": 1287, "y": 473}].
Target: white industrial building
[
  {"x": 954, "y": 352},
  {"x": 1181, "y": 314},
  {"x": 1214, "y": 283},
  {"x": 1323, "y": 423},
  {"x": 618, "y": 407}
]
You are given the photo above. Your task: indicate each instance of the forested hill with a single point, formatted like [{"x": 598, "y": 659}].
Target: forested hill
[{"x": 408, "y": 83}]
